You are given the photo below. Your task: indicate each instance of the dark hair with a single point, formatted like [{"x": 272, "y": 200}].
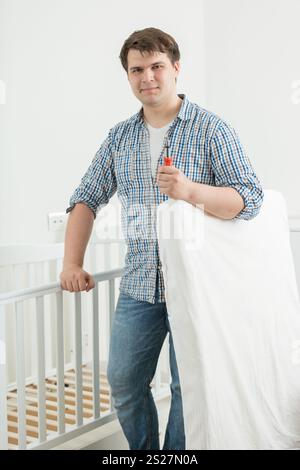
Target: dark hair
[{"x": 150, "y": 40}]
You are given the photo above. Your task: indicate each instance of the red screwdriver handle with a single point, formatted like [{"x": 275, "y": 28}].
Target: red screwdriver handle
[{"x": 168, "y": 161}]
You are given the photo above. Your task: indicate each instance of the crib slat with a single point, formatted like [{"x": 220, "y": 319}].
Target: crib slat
[
  {"x": 95, "y": 365},
  {"x": 32, "y": 420},
  {"x": 60, "y": 363},
  {"x": 78, "y": 359},
  {"x": 111, "y": 317},
  {"x": 51, "y": 405},
  {"x": 20, "y": 368},
  {"x": 58, "y": 267},
  {"x": 111, "y": 302},
  {"x": 3, "y": 405},
  {"x": 40, "y": 325}
]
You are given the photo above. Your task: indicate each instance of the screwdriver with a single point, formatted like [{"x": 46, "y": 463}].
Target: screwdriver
[{"x": 168, "y": 159}]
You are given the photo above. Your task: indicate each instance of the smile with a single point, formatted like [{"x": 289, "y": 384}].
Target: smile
[{"x": 149, "y": 89}]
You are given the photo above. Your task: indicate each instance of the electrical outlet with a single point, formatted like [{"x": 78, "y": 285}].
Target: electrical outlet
[{"x": 57, "y": 221}]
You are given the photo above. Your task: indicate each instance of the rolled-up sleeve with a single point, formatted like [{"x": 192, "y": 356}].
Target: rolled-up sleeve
[
  {"x": 98, "y": 184},
  {"x": 232, "y": 168}
]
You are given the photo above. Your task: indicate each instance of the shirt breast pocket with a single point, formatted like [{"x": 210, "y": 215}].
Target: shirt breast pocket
[{"x": 124, "y": 162}]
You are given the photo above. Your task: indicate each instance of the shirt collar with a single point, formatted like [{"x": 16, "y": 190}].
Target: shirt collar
[{"x": 184, "y": 114}]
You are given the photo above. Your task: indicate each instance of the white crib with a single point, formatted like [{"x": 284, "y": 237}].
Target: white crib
[{"x": 54, "y": 346}]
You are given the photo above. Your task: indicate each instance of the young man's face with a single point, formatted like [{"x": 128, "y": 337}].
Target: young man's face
[{"x": 152, "y": 76}]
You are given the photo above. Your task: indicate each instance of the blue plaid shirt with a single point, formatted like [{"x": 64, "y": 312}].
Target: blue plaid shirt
[{"x": 204, "y": 147}]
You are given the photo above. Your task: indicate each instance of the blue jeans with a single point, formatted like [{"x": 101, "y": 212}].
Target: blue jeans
[{"x": 138, "y": 333}]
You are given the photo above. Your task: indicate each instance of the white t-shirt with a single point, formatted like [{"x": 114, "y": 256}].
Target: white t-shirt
[{"x": 156, "y": 143}]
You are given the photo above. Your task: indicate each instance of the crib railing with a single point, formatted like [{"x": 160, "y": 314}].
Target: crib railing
[{"x": 49, "y": 408}]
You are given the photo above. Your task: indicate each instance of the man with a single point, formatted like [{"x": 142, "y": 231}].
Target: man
[{"x": 209, "y": 168}]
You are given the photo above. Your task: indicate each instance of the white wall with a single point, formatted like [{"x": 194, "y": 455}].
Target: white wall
[
  {"x": 253, "y": 81},
  {"x": 65, "y": 88}
]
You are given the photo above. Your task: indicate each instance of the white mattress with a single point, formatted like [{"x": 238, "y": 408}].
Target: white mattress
[{"x": 234, "y": 312}]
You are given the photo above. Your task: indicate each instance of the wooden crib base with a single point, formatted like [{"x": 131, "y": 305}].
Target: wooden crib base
[{"x": 31, "y": 392}]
